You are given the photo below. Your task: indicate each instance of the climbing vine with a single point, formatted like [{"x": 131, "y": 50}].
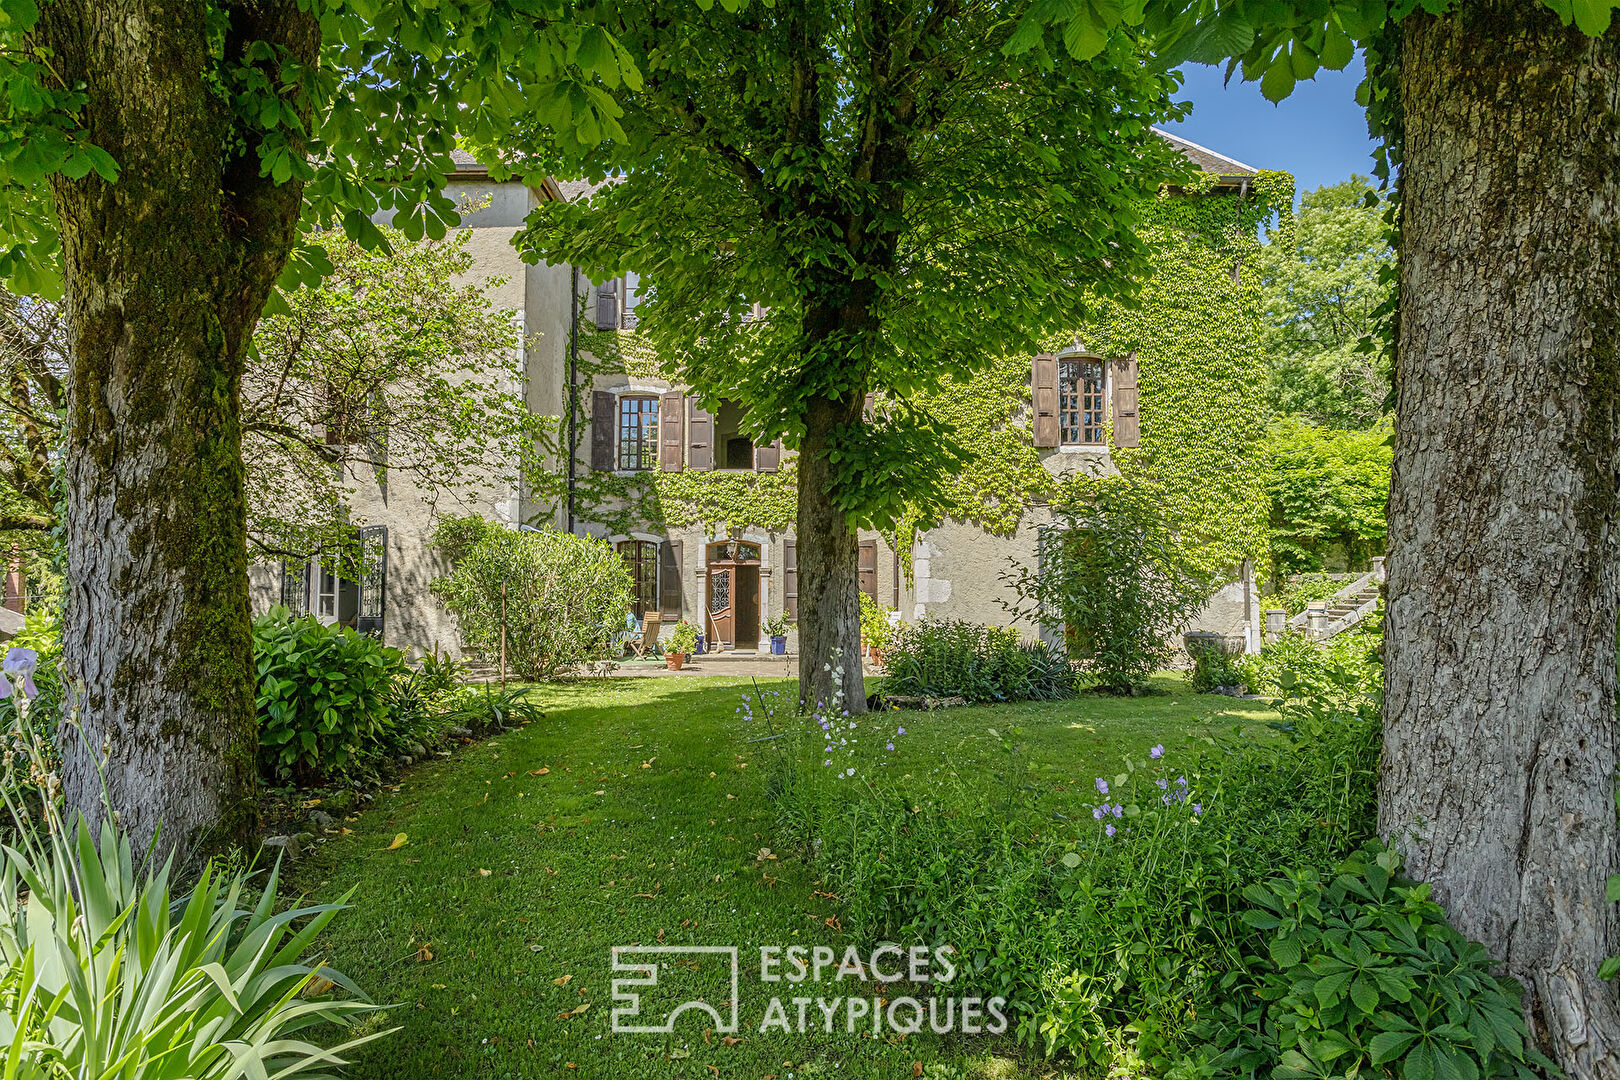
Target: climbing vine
[{"x": 1195, "y": 331}]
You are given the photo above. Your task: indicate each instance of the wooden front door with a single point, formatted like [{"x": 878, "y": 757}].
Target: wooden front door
[
  {"x": 721, "y": 616},
  {"x": 732, "y": 611}
]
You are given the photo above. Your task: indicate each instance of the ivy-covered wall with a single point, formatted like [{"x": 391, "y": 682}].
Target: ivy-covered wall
[{"x": 1195, "y": 331}]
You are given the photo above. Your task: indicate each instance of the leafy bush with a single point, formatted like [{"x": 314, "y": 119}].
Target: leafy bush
[
  {"x": 1215, "y": 664},
  {"x": 1295, "y": 596},
  {"x": 490, "y": 709},
  {"x": 682, "y": 639},
  {"x": 324, "y": 695},
  {"x": 1362, "y": 973},
  {"x": 949, "y": 658},
  {"x": 877, "y": 630},
  {"x": 1112, "y": 579},
  {"x": 566, "y": 595},
  {"x": 1114, "y": 935},
  {"x": 1341, "y": 671}
]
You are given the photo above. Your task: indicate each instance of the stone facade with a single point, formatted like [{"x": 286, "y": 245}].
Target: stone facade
[{"x": 955, "y": 569}]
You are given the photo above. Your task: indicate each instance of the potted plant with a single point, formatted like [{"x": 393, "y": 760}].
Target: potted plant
[
  {"x": 777, "y": 628},
  {"x": 876, "y": 628},
  {"x": 680, "y": 644}
]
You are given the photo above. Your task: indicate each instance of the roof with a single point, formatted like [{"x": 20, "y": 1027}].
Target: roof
[
  {"x": 1206, "y": 159},
  {"x": 469, "y": 168}
]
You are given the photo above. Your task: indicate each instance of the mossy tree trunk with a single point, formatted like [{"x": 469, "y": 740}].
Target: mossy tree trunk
[
  {"x": 829, "y": 575},
  {"x": 1499, "y": 737},
  {"x": 167, "y": 270}
]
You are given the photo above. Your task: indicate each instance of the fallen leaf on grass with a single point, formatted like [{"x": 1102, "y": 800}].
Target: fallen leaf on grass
[
  {"x": 730, "y": 1040},
  {"x": 575, "y": 1011},
  {"x": 713, "y": 1068},
  {"x": 399, "y": 842},
  {"x": 644, "y": 896},
  {"x": 764, "y": 853},
  {"x": 424, "y": 955},
  {"x": 483, "y": 873},
  {"x": 563, "y": 980},
  {"x": 598, "y": 793},
  {"x": 539, "y": 772},
  {"x": 648, "y": 763},
  {"x": 832, "y": 923},
  {"x": 916, "y": 1068},
  {"x": 706, "y": 1033}
]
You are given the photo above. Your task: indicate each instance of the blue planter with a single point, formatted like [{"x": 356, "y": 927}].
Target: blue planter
[{"x": 778, "y": 645}]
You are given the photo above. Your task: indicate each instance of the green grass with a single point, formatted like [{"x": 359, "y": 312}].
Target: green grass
[{"x": 649, "y": 826}]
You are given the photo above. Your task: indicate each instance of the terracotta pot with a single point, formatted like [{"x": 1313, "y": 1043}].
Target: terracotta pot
[{"x": 674, "y": 660}]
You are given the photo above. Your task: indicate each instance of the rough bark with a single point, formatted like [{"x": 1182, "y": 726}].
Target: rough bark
[
  {"x": 828, "y": 551},
  {"x": 1499, "y": 738},
  {"x": 166, "y": 273}
]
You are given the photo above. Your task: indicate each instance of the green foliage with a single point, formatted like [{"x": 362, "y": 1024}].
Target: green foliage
[
  {"x": 1215, "y": 664},
  {"x": 563, "y": 596},
  {"x": 949, "y": 658},
  {"x": 488, "y": 709},
  {"x": 876, "y": 629},
  {"x": 323, "y": 696},
  {"x": 368, "y": 128},
  {"x": 1114, "y": 933},
  {"x": 1113, "y": 580},
  {"x": 1324, "y": 282},
  {"x": 1359, "y": 971},
  {"x": 1342, "y": 671},
  {"x": 110, "y": 972},
  {"x": 407, "y": 366},
  {"x": 737, "y": 185},
  {"x": 42, "y": 632},
  {"x": 682, "y": 639},
  {"x": 1329, "y": 489},
  {"x": 778, "y": 625},
  {"x": 1297, "y": 594}
]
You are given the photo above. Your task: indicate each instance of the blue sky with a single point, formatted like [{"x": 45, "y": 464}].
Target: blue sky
[{"x": 1319, "y": 133}]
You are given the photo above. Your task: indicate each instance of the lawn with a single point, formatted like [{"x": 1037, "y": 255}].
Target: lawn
[{"x": 636, "y": 813}]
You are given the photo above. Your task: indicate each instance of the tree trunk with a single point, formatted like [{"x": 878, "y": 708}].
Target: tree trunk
[
  {"x": 166, "y": 273},
  {"x": 1498, "y": 776},
  {"x": 828, "y": 553}
]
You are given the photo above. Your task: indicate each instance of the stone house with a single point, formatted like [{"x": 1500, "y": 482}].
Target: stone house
[{"x": 704, "y": 517}]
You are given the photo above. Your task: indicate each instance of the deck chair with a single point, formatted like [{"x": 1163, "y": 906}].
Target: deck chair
[{"x": 649, "y": 637}]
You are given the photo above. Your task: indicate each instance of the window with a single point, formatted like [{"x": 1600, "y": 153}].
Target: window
[
  {"x": 641, "y": 559},
  {"x": 733, "y": 449},
  {"x": 638, "y": 432},
  {"x": 1082, "y": 412},
  {"x": 295, "y": 587},
  {"x": 326, "y": 598}
]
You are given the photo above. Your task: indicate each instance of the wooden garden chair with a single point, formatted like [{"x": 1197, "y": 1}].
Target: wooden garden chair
[{"x": 649, "y": 637}]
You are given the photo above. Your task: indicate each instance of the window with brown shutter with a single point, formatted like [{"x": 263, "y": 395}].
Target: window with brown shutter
[
  {"x": 603, "y": 405},
  {"x": 669, "y": 579},
  {"x": 790, "y": 579},
  {"x": 768, "y": 458},
  {"x": 1043, "y": 381},
  {"x": 638, "y": 432},
  {"x": 607, "y": 305},
  {"x": 1082, "y": 411},
  {"x": 868, "y": 568},
  {"x": 1127, "y": 421},
  {"x": 700, "y": 439},
  {"x": 672, "y": 431}
]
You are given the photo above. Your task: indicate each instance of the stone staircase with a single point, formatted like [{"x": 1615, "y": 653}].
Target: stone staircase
[{"x": 1324, "y": 619}]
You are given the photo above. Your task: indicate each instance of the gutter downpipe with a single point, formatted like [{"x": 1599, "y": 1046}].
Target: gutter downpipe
[{"x": 573, "y": 397}]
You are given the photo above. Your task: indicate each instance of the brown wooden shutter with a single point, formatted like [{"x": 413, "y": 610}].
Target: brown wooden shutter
[
  {"x": 669, "y": 579},
  {"x": 604, "y": 406},
  {"x": 1127, "y": 422},
  {"x": 790, "y": 579},
  {"x": 671, "y": 431},
  {"x": 768, "y": 458},
  {"x": 607, "y": 305},
  {"x": 1043, "y": 381},
  {"x": 700, "y": 438},
  {"x": 868, "y": 568}
]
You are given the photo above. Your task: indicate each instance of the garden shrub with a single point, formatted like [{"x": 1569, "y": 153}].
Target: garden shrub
[
  {"x": 1295, "y": 596},
  {"x": 1112, "y": 579},
  {"x": 109, "y": 972},
  {"x": 949, "y": 658},
  {"x": 1341, "y": 671},
  {"x": 566, "y": 595},
  {"x": 1359, "y": 971},
  {"x": 324, "y": 695},
  {"x": 1215, "y": 664},
  {"x": 877, "y": 631},
  {"x": 1115, "y": 936}
]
